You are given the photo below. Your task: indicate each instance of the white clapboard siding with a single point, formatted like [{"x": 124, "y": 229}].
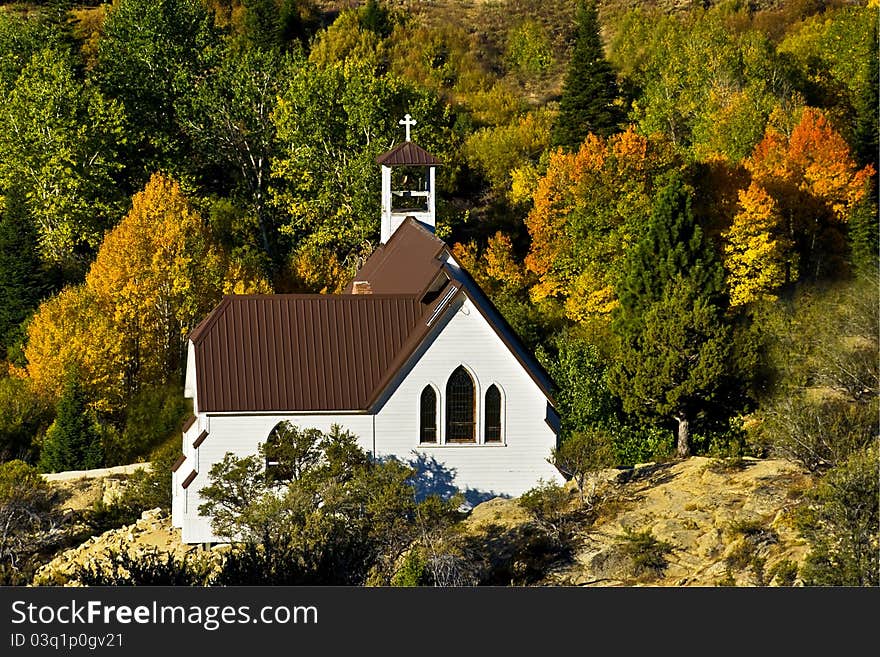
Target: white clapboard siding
[{"x": 508, "y": 469}]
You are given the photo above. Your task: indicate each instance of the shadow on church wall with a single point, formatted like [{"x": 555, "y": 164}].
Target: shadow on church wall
[{"x": 432, "y": 477}]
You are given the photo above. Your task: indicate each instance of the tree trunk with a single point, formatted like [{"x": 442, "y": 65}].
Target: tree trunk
[{"x": 684, "y": 448}]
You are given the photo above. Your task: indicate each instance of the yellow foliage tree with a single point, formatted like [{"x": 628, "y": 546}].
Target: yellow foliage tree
[
  {"x": 73, "y": 327},
  {"x": 156, "y": 275},
  {"x": 757, "y": 251}
]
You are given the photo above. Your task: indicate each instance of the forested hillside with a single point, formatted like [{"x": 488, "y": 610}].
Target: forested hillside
[{"x": 674, "y": 203}]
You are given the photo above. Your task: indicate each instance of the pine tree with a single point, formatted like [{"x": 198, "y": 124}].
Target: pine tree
[
  {"x": 22, "y": 283},
  {"x": 590, "y": 88},
  {"x": 674, "y": 344},
  {"x": 672, "y": 245},
  {"x": 72, "y": 442}
]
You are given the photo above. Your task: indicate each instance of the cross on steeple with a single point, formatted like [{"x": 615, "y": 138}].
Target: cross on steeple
[{"x": 407, "y": 121}]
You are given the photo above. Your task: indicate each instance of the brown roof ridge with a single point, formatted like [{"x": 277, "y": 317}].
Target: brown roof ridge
[
  {"x": 516, "y": 345},
  {"x": 415, "y": 339},
  {"x": 203, "y": 327}
]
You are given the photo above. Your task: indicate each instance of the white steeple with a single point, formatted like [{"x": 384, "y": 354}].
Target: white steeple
[{"x": 408, "y": 184}]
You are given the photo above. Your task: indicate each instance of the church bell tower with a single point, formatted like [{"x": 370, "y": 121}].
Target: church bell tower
[{"x": 408, "y": 184}]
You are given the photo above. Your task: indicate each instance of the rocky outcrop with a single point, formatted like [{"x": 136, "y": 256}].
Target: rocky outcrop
[
  {"x": 152, "y": 533},
  {"x": 705, "y": 522}
]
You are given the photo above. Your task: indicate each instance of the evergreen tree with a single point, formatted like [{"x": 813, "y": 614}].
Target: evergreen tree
[
  {"x": 22, "y": 283},
  {"x": 672, "y": 245},
  {"x": 674, "y": 345},
  {"x": 590, "y": 88},
  {"x": 864, "y": 232},
  {"x": 72, "y": 442},
  {"x": 263, "y": 28}
]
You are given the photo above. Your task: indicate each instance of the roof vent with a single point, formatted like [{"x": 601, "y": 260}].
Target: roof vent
[{"x": 361, "y": 287}]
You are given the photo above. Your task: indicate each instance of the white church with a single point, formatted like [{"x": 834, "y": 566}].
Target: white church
[{"x": 413, "y": 359}]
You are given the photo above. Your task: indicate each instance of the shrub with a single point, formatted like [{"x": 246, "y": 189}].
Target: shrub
[
  {"x": 150, "y": 568},
  {"x": 581, "y": 456},
  {"x": 819, "y": 434},
  {"x": 645, "y": 552},
  {"x": 550, "y": 506},
  {"x": 24, "y": 418},
  {"x": 842, "y": 524}
]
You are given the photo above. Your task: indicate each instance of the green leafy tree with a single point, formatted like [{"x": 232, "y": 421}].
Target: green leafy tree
[
  {"x": 589, "y": 94},
  {"x": 333, "y": 123},
  {"x": 150, "y": 54},
  {"x": 583, "y": 399},
  {"x": 22, "y": 35},
  {"x": 72, "y": 442},
  {"x": 336, "y": 517},
  {"x": 673, "y": 341},
  {"x": 229, "y": 119},
  {"x": 59, "y": 153},
  {"x": 707, "y": 85}
]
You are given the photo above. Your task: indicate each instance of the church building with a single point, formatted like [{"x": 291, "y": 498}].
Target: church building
[{"x": 412, "y": 358}]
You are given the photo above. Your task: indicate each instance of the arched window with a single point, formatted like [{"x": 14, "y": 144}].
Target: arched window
[
  {"x": 275, "y": 469},
  {"x": 493, "y": 415},
  {"x": 460, "y": 407},
  {"x": 428, "y": 416}
]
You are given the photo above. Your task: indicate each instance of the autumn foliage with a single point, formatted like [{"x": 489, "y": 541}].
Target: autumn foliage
[
  {"x": 156, "y": 275},
  {"x": 588, "y": 208}
]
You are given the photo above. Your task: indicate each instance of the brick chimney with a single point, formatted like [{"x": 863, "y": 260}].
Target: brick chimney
[{"x": 361, "y": 287}]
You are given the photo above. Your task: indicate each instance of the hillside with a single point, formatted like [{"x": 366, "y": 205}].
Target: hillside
[{"x": 723, "y": 526}]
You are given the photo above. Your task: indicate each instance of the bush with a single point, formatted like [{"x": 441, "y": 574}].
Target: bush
[
  {"x": 151, "y": 568},
  {"x": 818, "y": 434},
  {"x": 581, "y": 456},
  {"x": 842, "y": 524},
  {"x": 24, "y": 418},
  {"x": 26, "y": 516},
  {"x": 549, "y": 505},
  {"x": 645, "y": 552}
]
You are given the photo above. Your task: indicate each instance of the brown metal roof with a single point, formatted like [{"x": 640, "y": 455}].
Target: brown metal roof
[
  {"x": 407, "y": 264},
  {"x": 300, "y": 352},
  {"x": 407, "y": 154},
  {"x": 337, "y": 352}
]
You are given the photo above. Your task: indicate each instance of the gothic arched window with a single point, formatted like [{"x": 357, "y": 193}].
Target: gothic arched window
[
  {"x": 276, "y": 469},
  {"x": 460, "y": 407},
  {"x": 428, "y": 416},
  {"x": 493, "y": 415}
]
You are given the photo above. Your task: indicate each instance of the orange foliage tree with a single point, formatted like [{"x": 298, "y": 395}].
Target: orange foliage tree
[
  {"x": 815, "y": 182},
  {"x": 588, "y": 209}
]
